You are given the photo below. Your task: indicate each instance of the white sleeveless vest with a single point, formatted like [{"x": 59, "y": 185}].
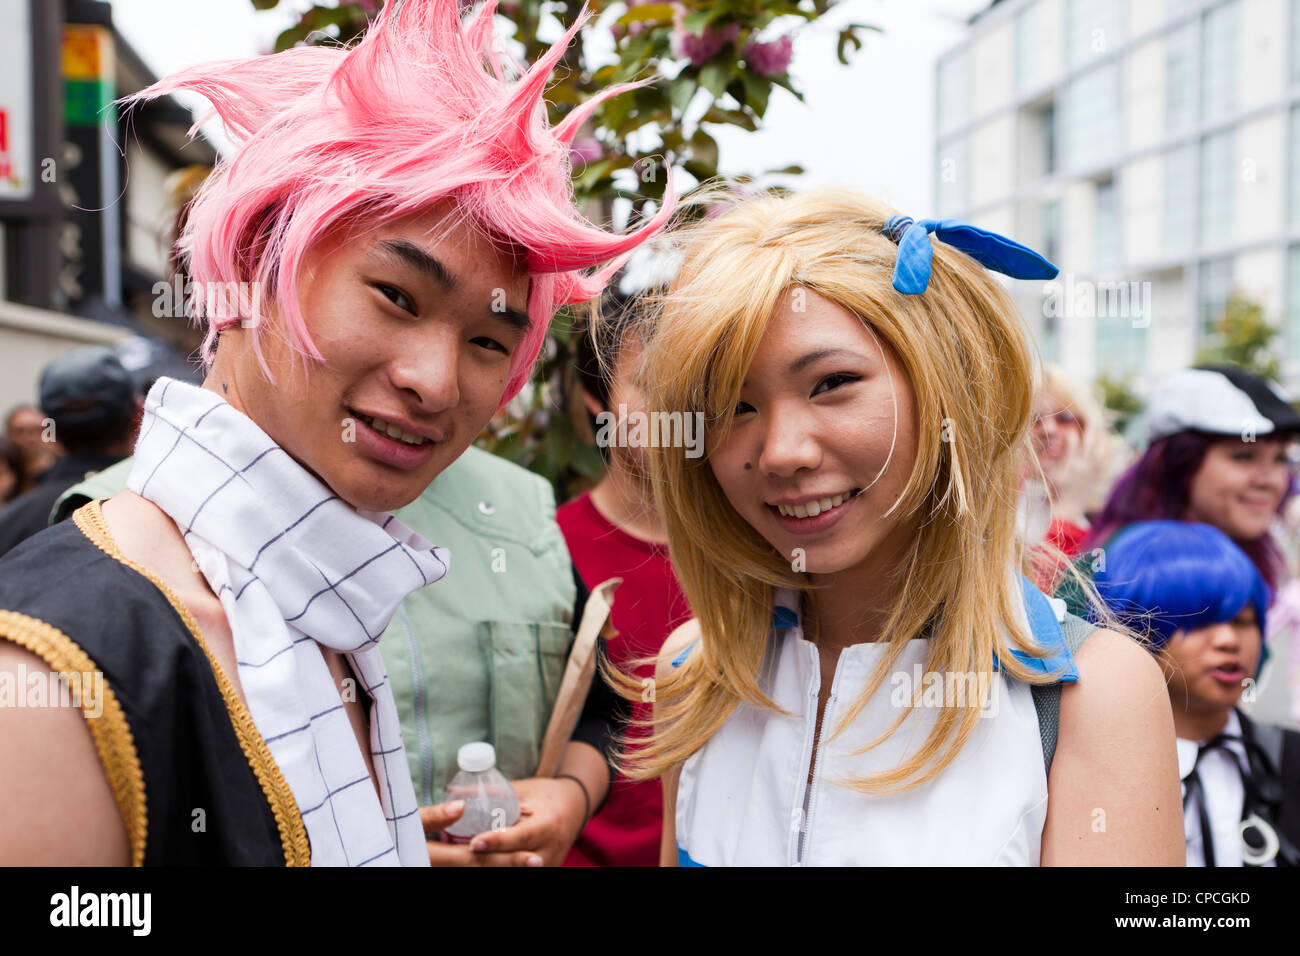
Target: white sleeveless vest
[{"x": 744, "y": 799}]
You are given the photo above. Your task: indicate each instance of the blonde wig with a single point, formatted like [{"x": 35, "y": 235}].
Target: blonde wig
[{"x": 971, "y": 366}]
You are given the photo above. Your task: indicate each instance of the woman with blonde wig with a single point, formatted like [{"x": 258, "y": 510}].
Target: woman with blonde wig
[{"x": 870, "y": 679}]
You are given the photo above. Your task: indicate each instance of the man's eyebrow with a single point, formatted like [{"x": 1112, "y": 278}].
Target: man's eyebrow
[
  {"x": 798, "y": 365},
  {"x": 514, "y": 318},
  {"x": 414, "y": 256}
]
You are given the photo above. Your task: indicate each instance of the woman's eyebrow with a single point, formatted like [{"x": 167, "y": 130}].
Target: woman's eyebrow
[{"x": 798, "y": 365}]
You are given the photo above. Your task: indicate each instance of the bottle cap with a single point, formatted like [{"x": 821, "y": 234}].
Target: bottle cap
[{"x": 476, "y": 757}]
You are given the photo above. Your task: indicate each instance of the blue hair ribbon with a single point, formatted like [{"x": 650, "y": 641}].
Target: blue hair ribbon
[{"x": 915, "y": 251}]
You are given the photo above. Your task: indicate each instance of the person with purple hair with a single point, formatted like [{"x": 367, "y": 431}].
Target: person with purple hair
[
  {"x": 376, "y": 265},
  {"x": 1217, "y": 454},
  {"x": 1202, "y": 605}
]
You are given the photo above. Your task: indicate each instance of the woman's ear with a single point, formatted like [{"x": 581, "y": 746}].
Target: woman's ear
[{"x": 591, "y": 402}]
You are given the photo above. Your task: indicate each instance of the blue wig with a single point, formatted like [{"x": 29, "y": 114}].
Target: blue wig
[{"x": 1162, "y": 576}]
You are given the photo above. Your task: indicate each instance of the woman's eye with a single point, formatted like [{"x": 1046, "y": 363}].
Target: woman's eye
[
  {"x": 742, "y": 408},
  {"x": 490, "y": 344},
  {"x": 396, "y": 296},
  {"x": 834, "y": 381}
]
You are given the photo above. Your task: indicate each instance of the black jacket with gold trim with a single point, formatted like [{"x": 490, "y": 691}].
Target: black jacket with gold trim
[{"x": 193, "y": 779}]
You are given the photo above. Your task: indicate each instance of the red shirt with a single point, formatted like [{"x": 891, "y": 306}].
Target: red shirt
[{"x": 648, "y": 605}]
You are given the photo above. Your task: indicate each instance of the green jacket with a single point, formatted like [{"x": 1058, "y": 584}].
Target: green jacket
[{"x": 480, "y": 654}]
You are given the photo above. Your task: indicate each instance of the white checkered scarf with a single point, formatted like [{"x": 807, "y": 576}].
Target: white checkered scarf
[{"x": 296, "y": 569}]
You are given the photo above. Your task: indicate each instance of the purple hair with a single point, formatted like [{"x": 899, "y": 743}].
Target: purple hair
[
  {"x": 418, "y": 111},
  {"x": 1158, "y": 487}
]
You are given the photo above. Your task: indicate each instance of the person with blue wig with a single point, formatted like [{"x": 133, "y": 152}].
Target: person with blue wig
[{"x": 1201, "y": 603}]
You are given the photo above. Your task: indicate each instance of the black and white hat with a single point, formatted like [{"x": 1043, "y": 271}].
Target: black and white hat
[{"x": 1221, "y": 400}]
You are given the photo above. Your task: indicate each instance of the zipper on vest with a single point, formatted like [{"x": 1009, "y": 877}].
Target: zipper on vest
[
  {"x": 417, "y": 695},
  {"x": 811, "y": 789}
]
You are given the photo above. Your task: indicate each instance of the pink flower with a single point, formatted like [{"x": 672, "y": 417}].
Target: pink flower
[
  {"x": 585, "y": 151},
  {"x": 769, "y": 59},
  {"x": 700, "y": 49}
]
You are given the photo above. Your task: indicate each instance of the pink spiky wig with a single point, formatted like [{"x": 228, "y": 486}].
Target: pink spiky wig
[{"x": 418, "y": 111}]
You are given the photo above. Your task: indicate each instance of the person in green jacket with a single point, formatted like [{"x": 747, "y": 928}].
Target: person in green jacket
[{"x": 482, "y": 659}]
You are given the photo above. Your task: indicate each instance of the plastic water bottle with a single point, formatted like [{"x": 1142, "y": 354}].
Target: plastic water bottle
[{"x": 490, "y": 801}]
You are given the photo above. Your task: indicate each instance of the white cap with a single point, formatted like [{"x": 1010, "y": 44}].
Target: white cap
[
  {"x": 476, "y": 757},
  {"x": 1219, "y": 400}
]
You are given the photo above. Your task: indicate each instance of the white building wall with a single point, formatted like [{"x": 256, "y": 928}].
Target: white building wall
[
  {"x": 1144, "y": 94},
  {"x": 1050, "y": 18},
  {"x": 993, "y": 162},
  {"x": 993, "y": 60},
  {"x": 1171, "y": 337},
  {"x": 1141, "y": 197},
  {"x": 1261, "y": 193},
  {"x": 1143, "y": 15},
  {"x": 1263, "y": 51},
  {"x": 1260, "y": 275}
]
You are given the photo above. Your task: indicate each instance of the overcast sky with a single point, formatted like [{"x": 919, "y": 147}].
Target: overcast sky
[{"x": 869, "y": 126}]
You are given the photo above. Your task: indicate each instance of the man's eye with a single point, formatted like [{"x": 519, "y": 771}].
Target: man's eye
[
  {"x": 835, "y": 381},
  {"x": 490, "y": 344},
  {"x": 396, "y": 296}
]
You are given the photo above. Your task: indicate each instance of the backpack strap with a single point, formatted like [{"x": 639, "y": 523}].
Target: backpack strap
[{"x": 1047, "y": 697}]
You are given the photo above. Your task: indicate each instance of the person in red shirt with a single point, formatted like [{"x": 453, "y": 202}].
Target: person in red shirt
[{"x": 614, "y": 531}]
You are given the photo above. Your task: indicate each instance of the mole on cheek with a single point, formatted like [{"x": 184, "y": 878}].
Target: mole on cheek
[{"x": 748, "y": 466}]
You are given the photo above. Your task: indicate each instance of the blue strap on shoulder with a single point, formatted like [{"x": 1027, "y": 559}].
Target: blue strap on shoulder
[
  {"x": 1043, "y": 626},
  {"x": 993, "y": 251},
  {"x": 1047, "y": 634}
]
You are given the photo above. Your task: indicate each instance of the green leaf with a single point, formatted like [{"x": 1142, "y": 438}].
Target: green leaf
[
  {"x": 716, "y": 114},
  {"x": 696, "y": 22},
  {"x": 704, "y": 149},
  {"x": 264, "y": 4},
  {"x": 715, "y": 75},
  {"x": 847, "y": 36},
  {"x": 650, "y": 13},
  {"x": 795, "y": 170},
  {"x": 681, "y": 93},
  {"x": 587, "y": 462},
  {"x": 757, "y": 91}
]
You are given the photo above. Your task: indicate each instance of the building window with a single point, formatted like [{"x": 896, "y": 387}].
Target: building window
[
  {"x": 1121, "y": 345},
  {"x": 1051, "y": 226},
  {"x": 1221, "y": 63},
  {"x": 1090, "y": 121},
  {"x": 1027, "y": 60},
  {"x": 1293, "y": 181},
  {"x": 953, "y": 164},
  {"x": 1181, "y": 77},
  {"x": 1214, "y": 287},
  {"x": 1293, "y": 303},
  {"x": 1049, "y": 340},
  {"x": 1295, "y": 41},
  {"x": 1092, "y": 28},
  {"x": 1038, "y": 139},
  {"x": 1106, "y": 233},
  {"x": 1218, "y": 188},
  {"x": 954, "y": 91},
  {"x": 1179, "y": 214}
]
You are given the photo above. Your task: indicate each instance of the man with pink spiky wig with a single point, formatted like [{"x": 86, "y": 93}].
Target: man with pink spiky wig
[{"x": 376, "y": 265}]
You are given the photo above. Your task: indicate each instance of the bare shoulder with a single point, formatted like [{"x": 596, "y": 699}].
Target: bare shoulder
[
  {"x": 682, "y": 637},
  {"x": 59, "y": 807},
  {"x": 1115, "y": 670},
  {"x": 1113, "y": 789}
]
